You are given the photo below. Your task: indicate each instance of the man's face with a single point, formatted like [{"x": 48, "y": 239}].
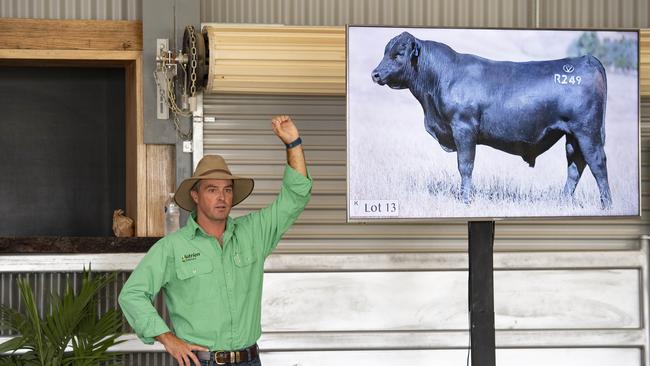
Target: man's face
[{"x": 213, "y": 199}]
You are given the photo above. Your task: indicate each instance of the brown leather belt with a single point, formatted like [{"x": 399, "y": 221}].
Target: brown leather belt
[{"x": 230, "y": 357}]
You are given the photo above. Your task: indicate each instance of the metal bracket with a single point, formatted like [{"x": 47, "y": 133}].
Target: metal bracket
[
  {"x": 162, "y": 47},
  {"x": 197, "y": 130}
]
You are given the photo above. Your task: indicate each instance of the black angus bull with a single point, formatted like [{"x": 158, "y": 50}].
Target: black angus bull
[{"x": 522, "y": 108}]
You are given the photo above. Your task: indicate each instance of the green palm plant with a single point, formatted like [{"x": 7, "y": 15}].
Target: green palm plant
[{"x": 71, "y": 333}]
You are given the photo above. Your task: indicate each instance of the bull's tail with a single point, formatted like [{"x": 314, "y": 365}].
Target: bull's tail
[{"x": 601, "y": 69}]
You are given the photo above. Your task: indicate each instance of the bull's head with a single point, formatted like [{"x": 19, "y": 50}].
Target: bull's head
[{"x": 400, "y": 61}]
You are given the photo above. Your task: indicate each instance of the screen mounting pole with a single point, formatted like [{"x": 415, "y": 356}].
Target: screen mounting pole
[{"x": 481, "y": 292}]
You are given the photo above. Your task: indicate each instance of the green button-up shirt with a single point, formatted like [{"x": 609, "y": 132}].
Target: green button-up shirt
[{"x": 213, "y": 293}]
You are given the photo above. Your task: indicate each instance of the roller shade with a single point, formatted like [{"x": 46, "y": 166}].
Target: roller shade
[{"x": 276, "y": 59}]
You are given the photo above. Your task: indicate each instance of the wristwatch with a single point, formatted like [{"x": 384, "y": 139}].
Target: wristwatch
[{"x": 294, "y": 143}]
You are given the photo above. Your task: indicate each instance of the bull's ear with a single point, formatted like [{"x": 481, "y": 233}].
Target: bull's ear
[{"x": 415, "y": 52}]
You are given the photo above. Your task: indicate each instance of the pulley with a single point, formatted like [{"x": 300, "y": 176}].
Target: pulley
[{"x": 197, "y": 66}]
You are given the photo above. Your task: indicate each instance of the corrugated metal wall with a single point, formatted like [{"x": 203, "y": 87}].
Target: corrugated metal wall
[
  {"x": 553, "y": 308},
  {"x": 483, "y": 13},
  {"x": 45, "y": 283},
  {"x": 242, "y": 135},
  {"x": 461, "y": 13},
  {"x": 594, "y": 13},
  {"x": 148, "y": 359},
  {"x": 72, "y": 9}
]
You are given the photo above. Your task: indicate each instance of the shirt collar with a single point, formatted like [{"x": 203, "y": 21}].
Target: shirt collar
[{"x": 192, "y": 227}]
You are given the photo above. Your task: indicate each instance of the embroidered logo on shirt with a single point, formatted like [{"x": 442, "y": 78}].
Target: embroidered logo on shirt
[{"x": 189, "y": 257}]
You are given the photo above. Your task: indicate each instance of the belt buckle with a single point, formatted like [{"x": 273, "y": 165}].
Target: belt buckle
[
  {"x": 234, "y": 357},
  {"x": 216, "y": 358}
]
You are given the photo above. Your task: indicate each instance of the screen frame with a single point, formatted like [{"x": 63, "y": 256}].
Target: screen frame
[{"x": 440, "y": 219}]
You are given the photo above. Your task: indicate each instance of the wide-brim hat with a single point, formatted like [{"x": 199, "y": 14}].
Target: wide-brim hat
[{"x": 213, "y": 167}]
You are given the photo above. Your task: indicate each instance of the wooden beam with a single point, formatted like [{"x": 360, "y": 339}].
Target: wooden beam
[
  {"x": 136, "y": 170},
  {"x": 141, "y": 155},
  {"x": 68, "y": 55},
  {"x": 161, "y": 179},
  {"x": 51, "y": 34}
]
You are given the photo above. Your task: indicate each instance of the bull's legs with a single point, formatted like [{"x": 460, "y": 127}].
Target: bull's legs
[
  {"x": 575, "y": 165},
  {"x": 465, "y": 140},
  {"x": 594, "y": 154},
  {"x": 465, "y": 168}
]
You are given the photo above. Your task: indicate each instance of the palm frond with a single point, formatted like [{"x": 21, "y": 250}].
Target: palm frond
[
  {"x": 12, "y": 345},
  {"x": 72, "y": 320},
  {"x": 34, "y": 322},
  {"x": 11, "y": 319}
]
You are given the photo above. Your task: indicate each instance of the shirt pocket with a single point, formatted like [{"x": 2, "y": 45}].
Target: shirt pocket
[
  {"x": 246, "y": 269},
  {"x": 196, "y": 281},
  {"x": 243, "y": 257}
]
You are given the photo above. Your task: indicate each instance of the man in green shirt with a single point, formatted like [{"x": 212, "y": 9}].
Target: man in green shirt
[{"x": 211, "y": 269}]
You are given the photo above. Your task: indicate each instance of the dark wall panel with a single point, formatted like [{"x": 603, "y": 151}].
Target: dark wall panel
[{"x": 62, "y": 148}]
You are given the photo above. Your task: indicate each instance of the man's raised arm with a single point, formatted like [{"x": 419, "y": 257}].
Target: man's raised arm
[{"x": 286, "y": 130}]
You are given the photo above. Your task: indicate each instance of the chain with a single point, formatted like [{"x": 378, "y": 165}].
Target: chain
[
  {"x": 185, "y": 136},
  {"x": 170, "y": 101},
  {"x": 193, "y": 62}
]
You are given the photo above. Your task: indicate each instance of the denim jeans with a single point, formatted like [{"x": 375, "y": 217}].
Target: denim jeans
[{"x": 255, "y": 362}]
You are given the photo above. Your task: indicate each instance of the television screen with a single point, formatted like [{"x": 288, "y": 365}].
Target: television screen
[{"x": 492, "y": 123}]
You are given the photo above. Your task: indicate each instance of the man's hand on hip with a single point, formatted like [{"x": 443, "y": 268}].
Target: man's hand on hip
[{"x": 179, "y": 349}]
